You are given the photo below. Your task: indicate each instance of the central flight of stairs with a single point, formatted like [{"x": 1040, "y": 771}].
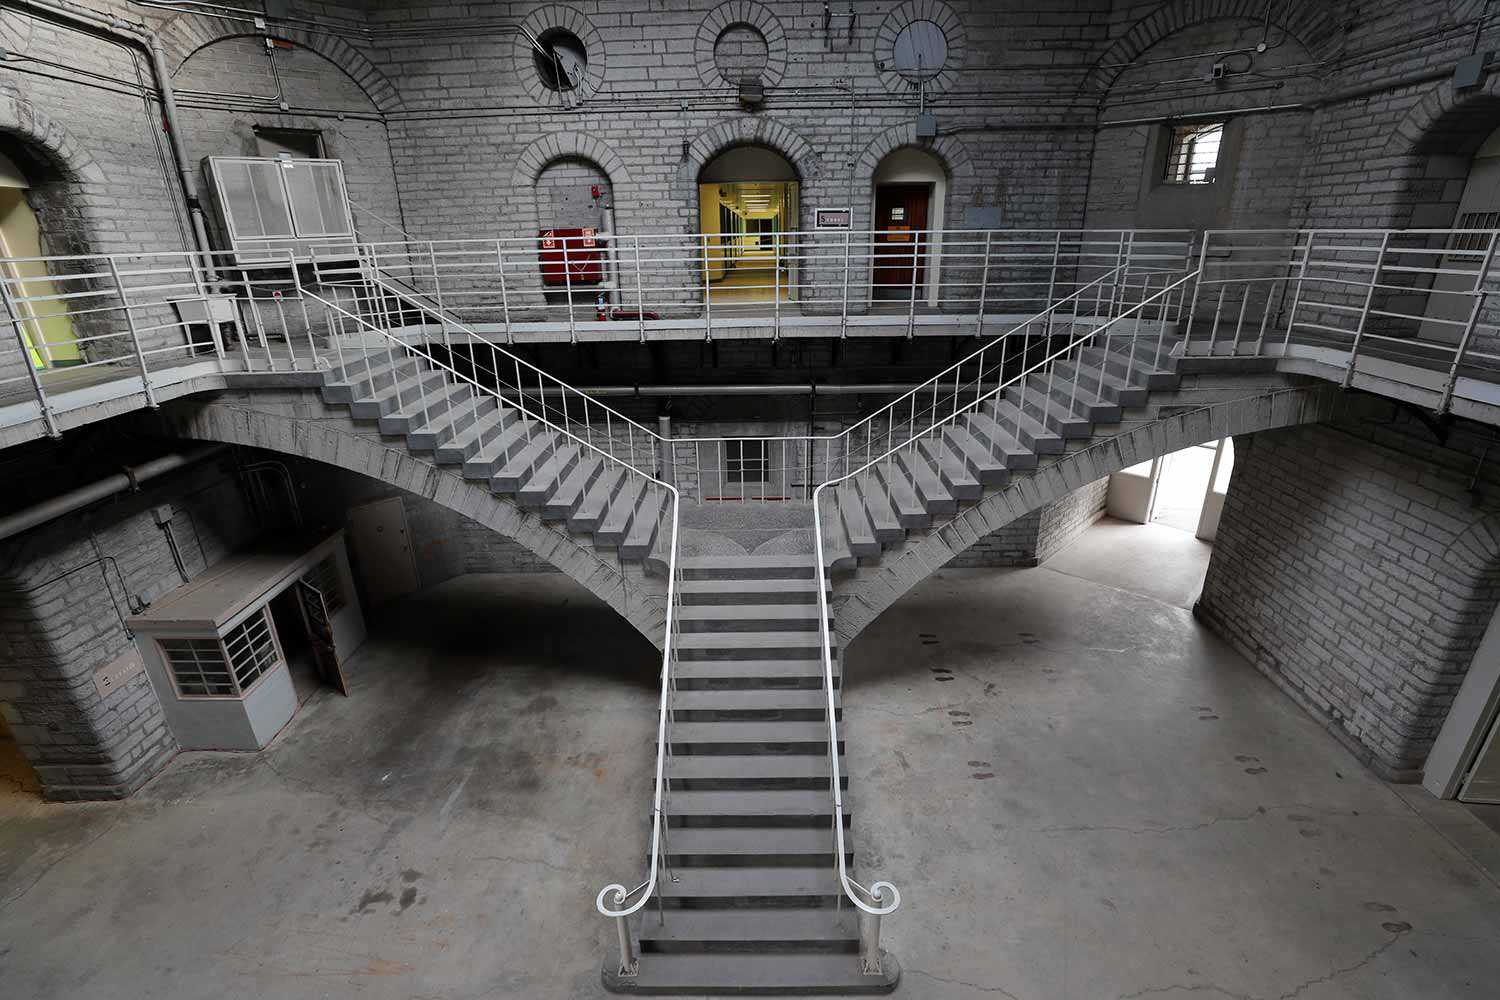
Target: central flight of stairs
[
  {"x": 952, "y": 467},
  {"x": 513, "y": 454},
  {"x": 751, "y": 903}
]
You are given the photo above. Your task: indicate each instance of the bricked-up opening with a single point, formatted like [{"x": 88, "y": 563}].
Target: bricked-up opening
[
  {"x": 561, "y": 59},
  {"x": 741, "y": 54}
]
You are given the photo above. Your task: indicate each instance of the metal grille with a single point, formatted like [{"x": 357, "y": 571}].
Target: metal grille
[
  {"x": 197, "y": 666},
  {"x": 324, "y": 578},
  {"x": 1193, "y": 156},
  {"x": 251, "y": 648},
  {"x": 1473, "y": 242},
  {"x": 746, "y": 462}
]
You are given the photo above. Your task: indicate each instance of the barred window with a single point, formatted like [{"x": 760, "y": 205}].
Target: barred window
[
  {"x": 198, "y": 666},
  {"x": 1473, "y": 242},
  {"x": 252, "y": 649},
  {"x": 1193, "y": 153},
  {"x": 324, "y": 578},
  {"x": 746, "y": 462}
]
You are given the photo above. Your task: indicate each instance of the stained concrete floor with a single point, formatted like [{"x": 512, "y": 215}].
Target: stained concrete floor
[{"x": 1080, "y": 793}]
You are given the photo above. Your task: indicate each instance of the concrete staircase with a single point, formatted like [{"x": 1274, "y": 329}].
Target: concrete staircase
[
  {"x": 515, "y": 455},
  {"x": 753, "y": 903},
  {"x": 951, "y": 467}
]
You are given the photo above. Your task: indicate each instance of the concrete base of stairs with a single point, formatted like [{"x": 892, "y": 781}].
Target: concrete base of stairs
[{"x": 756, "y": 975}]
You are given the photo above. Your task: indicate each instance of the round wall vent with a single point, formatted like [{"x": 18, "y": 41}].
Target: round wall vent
[{"x": 561, "y": 59}]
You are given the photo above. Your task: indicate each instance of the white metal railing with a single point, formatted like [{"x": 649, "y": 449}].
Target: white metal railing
[
  {"x": 873, "y": 902},
  {"x": 829, "y": 280},
  {"x": 1423, "y": 298}
]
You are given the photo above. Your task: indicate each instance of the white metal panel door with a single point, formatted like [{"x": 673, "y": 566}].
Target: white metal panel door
[
  {"x": 1478, "y": 208},
  {"x": 1483, "y": 781},
  {"x": 382, "y": 549}
]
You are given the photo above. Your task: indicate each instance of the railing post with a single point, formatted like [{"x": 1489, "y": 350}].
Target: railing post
[
  {"x": 504, "y": 293},
  {"x": 312, "y": 348},
  {"x": 1463, "y": 343},
  {"x": 1187, "y": 335},
  {"x": 984, "y": 284},
  {"x": 135, "y": 339},
  {"x": 911, "y": 312},
  {"x": 48, "y": 419},
  {"x": 568, "y": 283},
  {"x": 437, "y": 294},
  {"x": 1291, "y": 318},
  {"x": 708, "y": 297},
  {"x": 776, "y": 284},
  {"x": 844, "y": 315},
  {"x": 628, "y": 964},
  {"x": 1364, "y": 313},
  {"x": 640, "y": 299}
]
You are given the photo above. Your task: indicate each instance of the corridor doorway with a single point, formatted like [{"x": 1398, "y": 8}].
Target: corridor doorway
[
  {"x": 1184, "y": 490},
  {"x": 748, "y": 197},
  {"x": 45, "y": 325},
  {"x": 910, "y": 187}
]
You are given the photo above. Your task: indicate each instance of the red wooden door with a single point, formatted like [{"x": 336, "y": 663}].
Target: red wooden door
[{"x": 900, "y": 243}]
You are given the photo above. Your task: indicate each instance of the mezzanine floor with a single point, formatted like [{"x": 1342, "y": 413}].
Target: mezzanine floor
[{"x": 1080, "y": 792}]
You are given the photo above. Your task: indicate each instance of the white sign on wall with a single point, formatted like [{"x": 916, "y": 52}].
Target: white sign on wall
[{"x": 833, "y": 218}]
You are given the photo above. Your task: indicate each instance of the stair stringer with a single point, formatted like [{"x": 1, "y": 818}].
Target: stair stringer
[
  {"x": 294, "y": 420},
  {"x": 1203, "y": 409}
]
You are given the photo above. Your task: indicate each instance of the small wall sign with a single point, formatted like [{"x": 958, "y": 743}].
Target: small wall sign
[{"x": 833, "y": 218}]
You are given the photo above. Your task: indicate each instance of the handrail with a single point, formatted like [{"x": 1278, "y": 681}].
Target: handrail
[
  {"x": 616, "y": 908},
  {"x": 877, "y": 906}
]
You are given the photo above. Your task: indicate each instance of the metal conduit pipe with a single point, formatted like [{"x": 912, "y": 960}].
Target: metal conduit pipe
[
  {"x": 127, "y": 478},
  {"x": 138, "y": 34}
]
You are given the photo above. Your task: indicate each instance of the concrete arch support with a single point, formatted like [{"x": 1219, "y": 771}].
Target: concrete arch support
[
  {"x": 860, "y": 599},
  {"x": 21, "y": 118},
  {"x": 187, "y": 33},
  {"x": 297, "y": 423}
]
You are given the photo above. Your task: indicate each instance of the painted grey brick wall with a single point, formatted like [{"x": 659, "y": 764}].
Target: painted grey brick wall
[
  {"x": 1036, "y": 537},
  {"x": 1356, "y": 568},
  {"x": 57, "y": 627}
]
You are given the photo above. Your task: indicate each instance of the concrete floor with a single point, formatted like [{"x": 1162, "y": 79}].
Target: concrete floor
[{"x": 1080, "y": 793}]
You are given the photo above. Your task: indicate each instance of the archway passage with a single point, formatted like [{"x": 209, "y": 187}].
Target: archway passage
[
  {"x": 45, "y": 325},
  {"x": 748, "y": 196},
  {"x": 908, "y": 188}
]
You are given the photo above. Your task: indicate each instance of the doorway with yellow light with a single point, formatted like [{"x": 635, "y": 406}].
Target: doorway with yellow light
[{"x": 35, "y": 306}]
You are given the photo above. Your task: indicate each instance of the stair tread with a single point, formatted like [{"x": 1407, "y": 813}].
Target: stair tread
[
  {"x": 742, "y": 882},
  {"x": 749, "y": 732},
  {"x": 749, "y": 923},
  {"x": 750, "y": 612},
  {"x": 747, "y": 640},
  {"x": 762, "y": 699},
  {"x": 791, "y": 972},
  {"x": 750, "y": 766},
  {"x": 746, "y": 561},
  {"x": 807, "y": 586},
  {"x": 751, "y": 669}
]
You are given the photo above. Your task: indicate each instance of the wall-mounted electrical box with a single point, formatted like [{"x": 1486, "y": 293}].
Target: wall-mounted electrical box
[{"x": 283, "y": 208}]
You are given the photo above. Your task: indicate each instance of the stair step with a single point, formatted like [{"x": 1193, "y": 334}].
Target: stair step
[
  {"x": 570, "y": 492},
  {"x": 751, "y": 701},
  {"x": 951, "y": 470},
  {"x": 439, "y": 405},
  {"x": 903, "y": 498},
  {"x": 548, "y": 475},
  {"x": 747, "y": 592},
  {"x": 394, "y": 397},
  {"x": 752, "y": 737},
  {"x": 748, "y": 645},
  {"x": 739, "y": 886},
  {"x": 543, "y": 445},
  {"x": 780, "y": 567},
  {"x": 646, "y": 522},
  {"x": 1025, "y": 429},
  {"x": 929, "y": 488},
  {"x": 976, "y": 456},
  {"x": 749, "y": 617},
  {"x": 1072, "y": 396},
  {"x": 1105, "y": 385},
  {"x": 621, "y": 511},
  {"x": 767, "y": 928},
  {"x": 728, "y": 975},
  {"x": 591, "y": 509},
  {"x": 739, "y": 772},
  {"x": 1046, "y": 408},
  {"x": 859, "y": 535},
  {"x": 883, "y": 518},
  {"x": 463, "y": 444},
  {"x": 789, "y": 673},
  {"x": 1000, "y": 442}
]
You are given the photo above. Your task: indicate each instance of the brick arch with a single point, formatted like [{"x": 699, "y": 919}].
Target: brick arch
[
  {"x": 727, "y": 15},
  {"x": 752, "y": 130},
  {"x": 1448, "y": 122},
  {"x": 1313, "y": 25},
  {"x": 566, "y": 145},
  {"x": 334, "y": 439},
  {"x": 873, "y": 589},
  {"x": 949, "y": 151},
  {"x": 22, "y": 119},
  {"x": 187, "y": 34}
]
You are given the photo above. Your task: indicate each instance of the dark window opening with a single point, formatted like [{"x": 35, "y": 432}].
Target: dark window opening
[
  {"x": 746, "y": 462},
  {"x": 301, "y": 143},
  {"x": 1193, "y": 153},
  {"x": 561, "y": 59}
]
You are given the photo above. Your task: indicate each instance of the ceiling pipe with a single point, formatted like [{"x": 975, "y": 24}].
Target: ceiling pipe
[
  {"x": 128, "y": 478},
  {"x": 136, "y": 33}
]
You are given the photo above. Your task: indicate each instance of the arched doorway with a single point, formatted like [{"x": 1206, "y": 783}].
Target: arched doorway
[
  {"x": 42, "y": 318},
  {"x": 574, "y": 205},
  {"x": 747, "y": 197},
  {"x": 1449, "y": 305},
  {"x": 909, "y": 189}
]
